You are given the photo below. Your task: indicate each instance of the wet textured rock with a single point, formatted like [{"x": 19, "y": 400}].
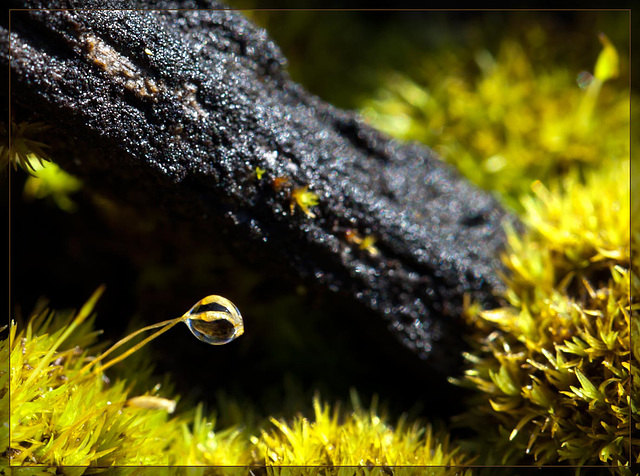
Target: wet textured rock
[{"x": 179, "y": 109}]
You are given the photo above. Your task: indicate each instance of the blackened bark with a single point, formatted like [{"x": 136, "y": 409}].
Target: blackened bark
[{"x": 179, "y": 108}]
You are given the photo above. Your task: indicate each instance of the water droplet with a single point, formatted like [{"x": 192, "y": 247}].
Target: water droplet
[{"x": 214, "y": 320}]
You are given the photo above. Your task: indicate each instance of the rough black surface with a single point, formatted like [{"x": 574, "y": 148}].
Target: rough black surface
[{"x": 176, "y": 109}]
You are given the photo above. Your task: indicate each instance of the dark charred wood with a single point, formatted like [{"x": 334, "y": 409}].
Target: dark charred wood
[{"x": 176, "y": 109}]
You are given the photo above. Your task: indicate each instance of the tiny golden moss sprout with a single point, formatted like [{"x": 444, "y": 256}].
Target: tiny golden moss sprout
[
  {"x": 26, "y": 149},
  {"x": 555, "y": 373},
  {"x": 304, "y": 199},
  {"x": 510, "y": 121},
  {"x": 364, "y": 438},
  {"x": 366, "y": 243},
  {"x": 259, "y": 173}
]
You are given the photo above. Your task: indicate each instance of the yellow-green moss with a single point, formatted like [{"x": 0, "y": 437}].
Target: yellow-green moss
[
  {"x": 514, "y": 120},
  {"x": 26, "y": 150},
  {"x": 63, "y": 417},
  {"x": 304, "y": 199},
  {"x": 23, "y": 147},
  {"x": 364, "y": 438},
  {"x": 556, "y": 376},
  {"x": 47, "y": 180}
]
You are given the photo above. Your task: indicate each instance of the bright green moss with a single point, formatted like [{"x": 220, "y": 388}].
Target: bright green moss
[
  {"x": 363, "y": 438},
  {"x": 512, "y": 122},
  {"x": 555, "y": 373},
  {"x": 49, "y": 180},
  {"x": 46, "y": 179},
  {"x": 62, "y": 416}
]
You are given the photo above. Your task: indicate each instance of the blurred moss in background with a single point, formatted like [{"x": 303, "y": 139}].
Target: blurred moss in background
[{"x": 500, "y": 95}]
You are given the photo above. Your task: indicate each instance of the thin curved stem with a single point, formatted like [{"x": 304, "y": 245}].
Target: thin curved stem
[
  {"x": 167, "y": 325},
  {"x": 169, "y": 322}
]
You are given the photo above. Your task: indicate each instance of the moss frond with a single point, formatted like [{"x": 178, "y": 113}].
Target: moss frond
[
  {"x": 259, "y": 171},
  {"x": 361, "y": 438},
  {"x": 304, "y": 199},
  {"x": 63, "y": 415},
  {"x": 23, "y": 148},
  {"x": 554, "y": 371}
]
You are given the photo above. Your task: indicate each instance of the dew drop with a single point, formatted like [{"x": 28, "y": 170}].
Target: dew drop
[{"x": 214, "y": 320}]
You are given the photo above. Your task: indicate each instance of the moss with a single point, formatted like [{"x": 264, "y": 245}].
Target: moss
[
  {"x": 554, "y": 373},
  {"x": 556, "y": 376},
  {"x": 63, "y": 415},
  {"x": 511, "y": 122},
  {"x": 47, "y": 180},
  {"x": 26, "y": 149},
  {"x": 21, "y": 146},
  {"x": 304, "y": 199},
  {"x": 364, "y": 438}
]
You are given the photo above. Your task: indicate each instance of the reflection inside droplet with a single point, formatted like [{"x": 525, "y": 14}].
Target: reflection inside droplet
[
  {"x": 216, "y": 332},
  {"x": 214, "y": 320},
  {"x": 584, "y": 79}
]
